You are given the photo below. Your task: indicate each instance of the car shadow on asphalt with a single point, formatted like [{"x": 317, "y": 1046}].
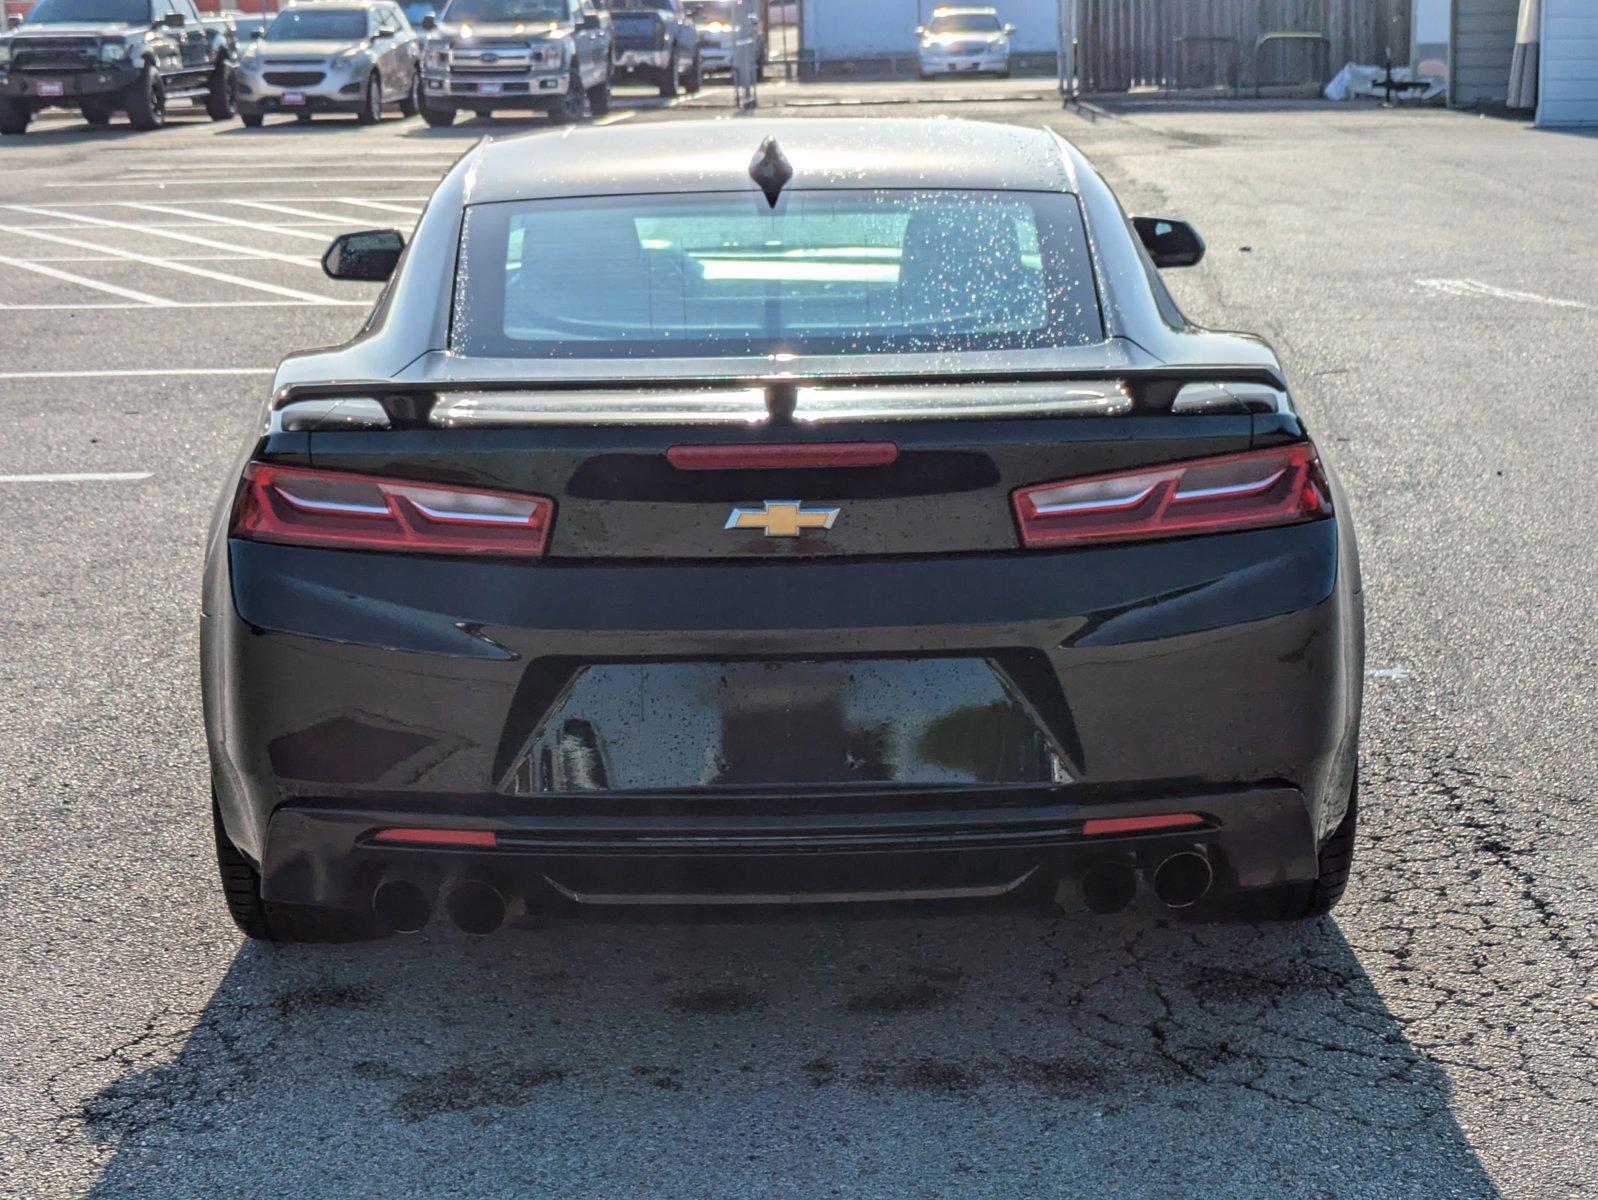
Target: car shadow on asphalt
[{"x": 995, "y": 1054}]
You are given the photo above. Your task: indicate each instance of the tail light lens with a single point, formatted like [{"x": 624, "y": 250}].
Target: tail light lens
[
  {"x": 1207, "y": 495},
  {"x": 302, "y": 507}
]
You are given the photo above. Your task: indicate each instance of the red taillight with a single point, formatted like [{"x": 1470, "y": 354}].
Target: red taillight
[
  {"x": 1206, "y": 495},
  {"x": 1103, "y": 825},
  {"x": 782, "y": 455},
  {"x": 302, "y": 507},
  {"x": 409, "y": 836}
]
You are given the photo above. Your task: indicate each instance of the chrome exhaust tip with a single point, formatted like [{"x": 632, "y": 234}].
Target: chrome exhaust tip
[
  {"x": 1182, "y": 879},
  {"x": 401, "y": 905},
  {"x": 1109, "y": 886},
  {"x": 476, "y": 906}
]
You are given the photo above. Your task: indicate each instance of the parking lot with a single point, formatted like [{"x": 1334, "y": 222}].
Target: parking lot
[{"x": 1431, "y": 280}]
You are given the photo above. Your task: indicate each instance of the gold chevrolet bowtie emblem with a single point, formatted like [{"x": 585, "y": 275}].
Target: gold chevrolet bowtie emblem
[{"x": 782, "y": 518}]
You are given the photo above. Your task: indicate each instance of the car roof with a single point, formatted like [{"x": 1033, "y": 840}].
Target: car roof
[
  {"x": 957, "y": 10},
  {"x": 714, "y": 156}
]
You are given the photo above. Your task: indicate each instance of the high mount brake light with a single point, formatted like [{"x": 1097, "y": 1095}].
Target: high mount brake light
[
  {"x": 1252, "y": 490},
  {"x": 298, "y": 506}
]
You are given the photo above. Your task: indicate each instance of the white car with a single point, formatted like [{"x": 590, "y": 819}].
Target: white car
[{"x": 965, "y": 41}]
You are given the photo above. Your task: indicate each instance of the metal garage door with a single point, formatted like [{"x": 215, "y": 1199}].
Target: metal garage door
[
  {"x": 1569, "y": 85},
  {"x": 1480, "y": 49}
]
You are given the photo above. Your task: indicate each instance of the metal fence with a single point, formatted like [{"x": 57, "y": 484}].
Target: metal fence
[{"x": 1232, "y": 44}]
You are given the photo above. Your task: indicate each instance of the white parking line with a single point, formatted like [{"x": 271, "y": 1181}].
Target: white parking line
[
  {"x": 80, "y": 477},
  {"x": 1475, "y": 287},
  {"x": 145, "y": 300},
  {"x": 186, "y": 304},
  {"x": 192, "y": 239},
  {"x": 308, "y": 260},
  {"x": 57, "y": 204},
  {"x": 290, "y": 211},
  {"x": 620, "y": 115},
  {"x": 236, "y": 222},
  {"x": 181, "y": 267},
  {"x": 150, "y": 372},
  {"x": 379, "y": 205}
]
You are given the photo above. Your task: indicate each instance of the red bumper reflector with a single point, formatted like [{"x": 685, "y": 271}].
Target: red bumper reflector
[
  {"x": 785, "y": 456},
  {"x": 1104, "y": 825},
  {"x": 437, "y": 837}
]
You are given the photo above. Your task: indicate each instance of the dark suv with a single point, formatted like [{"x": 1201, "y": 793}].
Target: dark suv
[{"x": 103, "y": 55}]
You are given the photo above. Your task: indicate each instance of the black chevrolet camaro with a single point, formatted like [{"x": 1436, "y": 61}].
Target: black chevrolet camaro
[{"x": 778, "y": 512}]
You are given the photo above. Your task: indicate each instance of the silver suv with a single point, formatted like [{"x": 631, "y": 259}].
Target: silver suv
[
  {"x": 551, "y": 56},
  {"x": 349, "y": 56}
]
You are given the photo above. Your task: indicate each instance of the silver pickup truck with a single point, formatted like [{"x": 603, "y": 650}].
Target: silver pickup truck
[{"x": 551, "y": 56}]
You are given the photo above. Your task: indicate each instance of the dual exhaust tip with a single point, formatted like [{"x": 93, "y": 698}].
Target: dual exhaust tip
[
  {"x": 1180, "y": 880},
  {"x": 403, "y": 904}
]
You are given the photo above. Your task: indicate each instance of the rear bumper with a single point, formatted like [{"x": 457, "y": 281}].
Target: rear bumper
[
  {"x": 346, "y": 691},
  {"x": 662, "y": 850},
  {"x": 628, "y": 60}
]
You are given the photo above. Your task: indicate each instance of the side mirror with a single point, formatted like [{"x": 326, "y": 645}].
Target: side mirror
[
  {"x": 1170, "y": 243},
  {"x": 14, "y": 20},
  {"x": 384, "y": 33},
  {"x": 366, "y": 257},
  {"x": 173, "y": 20},
  {"x": 589, "y": 21},
  {"x": 1009, "y": 29},
  {"x": 257, "y": 35},
  {"x": 429, "y": 22},
  {"x": 920, "y": 30}
]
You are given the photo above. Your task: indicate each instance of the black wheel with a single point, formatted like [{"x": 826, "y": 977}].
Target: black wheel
[
  {"x": 97, "y": 110},
  {"x": 223, "y": 99},
  {"x": 437, "y": 117},
  {"x": 304, "y": 118},
  {"x": 599, "y": 98},
  {"x": 241, "y": 888},
  {"x": 372, "y": 102},
  {"x": 1301, "y": 902},
  {"x": 146, "y": 101},
  {"x": 669, "y": 79},
  {"x": 573, "y": 106},
  {"x": 696, "y": 76},
  {"x": 14, "y": 115},
  {"x": 251, "y": 120},
  {"x": 412, "y": 102},
  {"x": 241, "y": 884}
]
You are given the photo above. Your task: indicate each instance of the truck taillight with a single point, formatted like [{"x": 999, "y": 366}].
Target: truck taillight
[
  {"x": 299, "y": 506},
  {"x": 1206, "y": 495}
]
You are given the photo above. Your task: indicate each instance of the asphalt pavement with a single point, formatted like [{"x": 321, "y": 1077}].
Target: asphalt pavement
[{"x": 1431, "y": 279}]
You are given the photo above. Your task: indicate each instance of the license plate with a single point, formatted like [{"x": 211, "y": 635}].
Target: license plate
[
  {"x": 490, "y": 89},
  {"x": 293, "y": 97},
  {"x": 50, "y": 87}
]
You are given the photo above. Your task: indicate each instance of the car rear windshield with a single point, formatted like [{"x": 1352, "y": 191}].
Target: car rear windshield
[
  {"x": 964, "y": 23},
  {"x": 825, "y": 272},
  {"x": 325, "y": 25}
]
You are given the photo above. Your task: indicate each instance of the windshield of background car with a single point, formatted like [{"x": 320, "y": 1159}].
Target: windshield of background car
[
  {"x": 964, "y": 23},
  {"x": 639, "y": 5},
  {"x": 318, "y": 25},
  {"x": 58, "y": 12},
  {"x": 707, "y": 11},
  {"x": 537, "y": 11},
  {"x": 825, "y": 272}
]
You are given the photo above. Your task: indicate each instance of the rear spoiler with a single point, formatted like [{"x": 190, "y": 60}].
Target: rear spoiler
[{"x": 1114, "y": 391}]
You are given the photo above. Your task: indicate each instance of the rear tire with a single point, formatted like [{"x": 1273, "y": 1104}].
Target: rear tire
[
  {"x": 241, "y": 888},
  {"x": 223, "y": 99},
  {"x": 304, "y": 118},
  {"x": 669, "y": 81},
  {"x": 97, "y": 111},
  {"x": 371, "y": 101},
  {"x": 146, "y": 101},
  {"x": 252, "y": 120},
  {"x": 14, "y": 115},
  {"x": 412, "y": 102},
  {"x": 599, "y": 98},
  {"x": 1304, "y": 902},
  {"x": 696, "y": 76}
]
